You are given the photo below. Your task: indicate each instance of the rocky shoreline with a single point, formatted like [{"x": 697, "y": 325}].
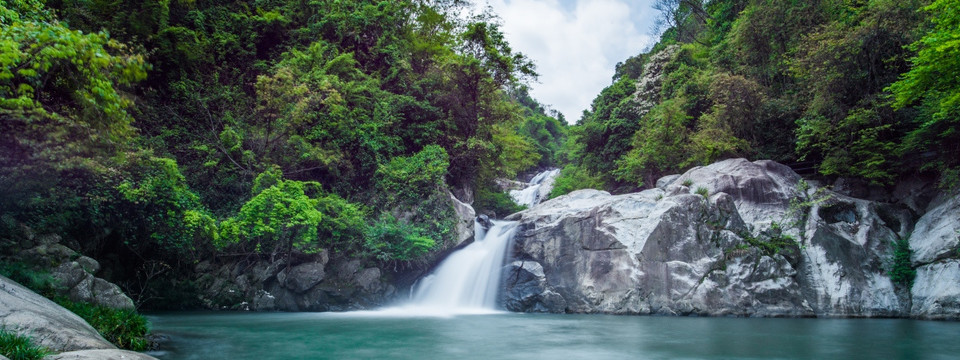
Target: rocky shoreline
[{"x": 737, "y": 238}]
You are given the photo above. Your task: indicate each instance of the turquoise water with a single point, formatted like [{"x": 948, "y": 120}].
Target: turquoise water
[{"x": 538, "y": 336}]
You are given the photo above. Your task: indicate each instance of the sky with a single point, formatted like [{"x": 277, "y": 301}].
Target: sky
[{"x": 575, "y": 44}]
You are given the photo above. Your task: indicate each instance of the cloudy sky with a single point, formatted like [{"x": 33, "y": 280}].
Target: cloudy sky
[{"x": 575, "y": 44}]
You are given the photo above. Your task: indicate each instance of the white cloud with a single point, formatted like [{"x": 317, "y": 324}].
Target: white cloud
[{"x": 575, "y": 44}]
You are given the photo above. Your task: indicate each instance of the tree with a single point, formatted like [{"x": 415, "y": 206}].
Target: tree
[{"x": 932, "y": 83}]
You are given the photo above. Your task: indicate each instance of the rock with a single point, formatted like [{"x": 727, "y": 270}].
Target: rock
[
  {"x": 84, "y": 287},
  {"x": 937, "y": 233},
  {"x": 484, "y": 221},
  {"x": 761, "y": 244},
  {"x": 936, "y": 291},
  {"x": 465, "y": 216},
  {"x": 89, "y": 265},
  {"x": 663, "y": 182},
  {"x": 369, "y": 279},
  {"x": 50, "y": 325},
  {"x": 525, "y": 289},
  {"x": 302, "y": 277},
  {"x": 105, "y": 354}
]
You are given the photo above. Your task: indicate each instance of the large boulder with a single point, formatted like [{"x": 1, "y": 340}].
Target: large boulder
[
  {"x": 761, "y": 243},
  {"x": 936, "y": 254},
  {"x": 48, "y": 324},
  {"x": 80, "y": 285}
]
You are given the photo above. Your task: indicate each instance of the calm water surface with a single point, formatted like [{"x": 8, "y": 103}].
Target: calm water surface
[{"x": 536, "y": 336}]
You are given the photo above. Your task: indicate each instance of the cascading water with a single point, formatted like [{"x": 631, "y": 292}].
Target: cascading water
[
  {"x": 468, "y": 280},
  {"x": 537, "y": 189}
]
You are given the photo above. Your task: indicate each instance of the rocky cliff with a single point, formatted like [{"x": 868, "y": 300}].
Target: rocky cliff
[{"x": 735, "y": 238}]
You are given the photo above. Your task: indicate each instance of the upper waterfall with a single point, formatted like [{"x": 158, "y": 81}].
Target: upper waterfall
[{"x": 537, "y": 189}]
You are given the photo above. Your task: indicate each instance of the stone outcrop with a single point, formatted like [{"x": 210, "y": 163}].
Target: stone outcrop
[
  {"x": 75, "y": 273},
  {"x": 936, "y": 254},
  {"x": 297, "y": 283},
  {"x": 48, "y": 324},
  {"x": 53, "y": 327},
  {"x": 743, "y": 239}
]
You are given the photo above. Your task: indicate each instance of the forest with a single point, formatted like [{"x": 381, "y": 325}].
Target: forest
[
  {"x": 167, "y": 132},
  {"x": 863, "y": 89}
]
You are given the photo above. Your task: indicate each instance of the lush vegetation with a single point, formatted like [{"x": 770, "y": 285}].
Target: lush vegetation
[
  {"x": 169, "y": 132},
  {"x": 864, "y": 89},
  {"x": 124, "y": 328},
  {"x": 18, "y": 347}
]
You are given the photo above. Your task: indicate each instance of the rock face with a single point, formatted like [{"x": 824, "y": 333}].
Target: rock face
[
  {"x": 936, "y": 248},
  {"x": 75, "y": 273},
  {"x": 48, "y": 324},
  {"x": 81, "y": 285},
  {"x": 744, "y": 239},
  {"x": 305, "y": 283}
]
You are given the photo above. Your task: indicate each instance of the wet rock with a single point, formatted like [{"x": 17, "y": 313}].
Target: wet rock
[{"x": 302, "y": 277}]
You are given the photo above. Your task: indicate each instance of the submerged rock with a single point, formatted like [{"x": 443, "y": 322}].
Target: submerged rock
[{"x": 744, "y": 239}]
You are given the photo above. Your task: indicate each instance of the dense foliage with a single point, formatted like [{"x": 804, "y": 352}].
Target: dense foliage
[
  {"x": 862, "y": 89},
  {"x": 171, "y": 132}
]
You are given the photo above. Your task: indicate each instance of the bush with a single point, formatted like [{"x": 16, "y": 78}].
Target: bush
[
  {"x": 392, "y": 240},
  {"x": 407, "y": 179},
  {"x": 124, "y": 328},
  {"x": 572, "y": 178},
  {"x": 488, "y": 199},
  {"x": 17, "y": 347},
  {"x": 901, "y": 272}
]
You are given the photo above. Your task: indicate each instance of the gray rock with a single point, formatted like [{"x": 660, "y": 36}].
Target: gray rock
[
  {"x": 303, "y": 277},
  {"x": 84, "y": 287},
  {"x": 369, "y": 279},
  {"x": 89, "y": 264},
  {"x": 663, "y": 182},
  {"x": 108, "y": 354},
  {"x": 666, "y": 251},
  {"x": 937, "y": 233},
  {"x": 50, "y": 325},
  {"x": 936, "y": 291},
  {"x": 465, "y": 216}
]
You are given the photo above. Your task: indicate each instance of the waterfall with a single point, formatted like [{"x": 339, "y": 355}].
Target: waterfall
[
  {"x": 467, "y": 281},
  {"x": 537, "y": 189}
]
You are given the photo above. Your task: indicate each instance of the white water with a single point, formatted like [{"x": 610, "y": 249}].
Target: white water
[
  {"x": 532, "y": 194},
  {"x": 467, "y": 281}
]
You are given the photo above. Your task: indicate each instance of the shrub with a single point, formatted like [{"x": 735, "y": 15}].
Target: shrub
[
  {"x": 18, "y": 347},
  {"x": 572, "y": 178},
  {"x": 391, "y": 240},
  {"x": 901, "y": 272},
  {"x": 702, "y": 191},
  {"x": 124, "y": 328},
  {"x": 409, "y": 178},
  {"x": 489, "y": 199},
  {"x": 39, "y": 281}
]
